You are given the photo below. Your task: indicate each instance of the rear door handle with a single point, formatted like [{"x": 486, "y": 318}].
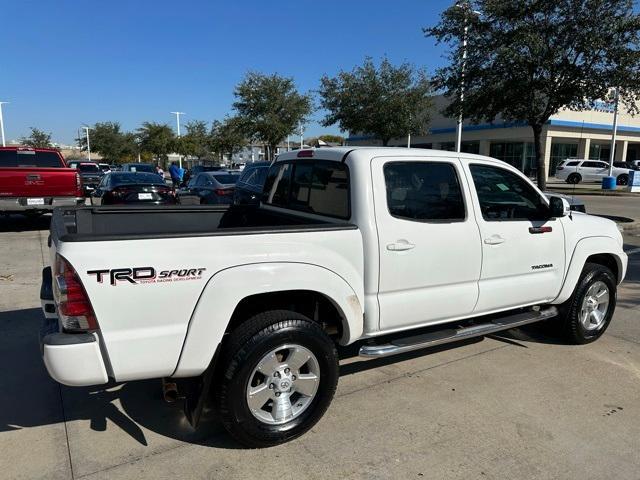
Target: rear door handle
[
  {"x": 400, "y": 246},
  {"x": 494, "y": 240}
]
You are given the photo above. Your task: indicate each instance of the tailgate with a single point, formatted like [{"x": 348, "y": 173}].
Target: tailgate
[{"x": 38, "y": 182}]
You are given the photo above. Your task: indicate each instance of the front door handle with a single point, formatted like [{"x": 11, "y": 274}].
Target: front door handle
[
  {"x": 400, "y": 246},
  {"x": 494, "y": 240}
]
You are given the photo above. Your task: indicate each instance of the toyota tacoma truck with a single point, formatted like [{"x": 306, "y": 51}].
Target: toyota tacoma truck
[
  {"x": 36, "y": 180},
  {"x": 242, "y": 308}
]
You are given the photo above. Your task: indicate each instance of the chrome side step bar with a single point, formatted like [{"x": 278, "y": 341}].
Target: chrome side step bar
[{"x": 417, "y": 342}]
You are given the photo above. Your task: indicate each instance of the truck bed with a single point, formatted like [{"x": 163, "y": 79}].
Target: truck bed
[{"x": 143, "y": 222}]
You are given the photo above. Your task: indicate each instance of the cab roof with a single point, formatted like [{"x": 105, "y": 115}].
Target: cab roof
[{"x": 339, "y": 154}]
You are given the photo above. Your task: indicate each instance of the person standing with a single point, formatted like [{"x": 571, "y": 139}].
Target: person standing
[
  {"x": 174, "y": 171},
  {"x": 160, "y": 172}
]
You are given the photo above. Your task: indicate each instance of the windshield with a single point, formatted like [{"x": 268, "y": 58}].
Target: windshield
[
  {"x": 226, "y": 178},
  {"x": 136, "y": 179},
  {"x": 87, "y": 167}
]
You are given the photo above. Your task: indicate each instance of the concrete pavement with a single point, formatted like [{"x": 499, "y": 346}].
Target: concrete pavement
[{"x": 518, "y": 405}]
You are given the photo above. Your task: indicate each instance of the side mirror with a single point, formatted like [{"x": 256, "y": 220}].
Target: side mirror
[{"x": 559, "y": 207}]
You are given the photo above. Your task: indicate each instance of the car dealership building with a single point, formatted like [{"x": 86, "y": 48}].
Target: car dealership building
[{"x": 568, "y": 134}]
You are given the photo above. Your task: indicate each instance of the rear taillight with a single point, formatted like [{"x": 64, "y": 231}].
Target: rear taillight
[
  {"x": 559, "y": 168},
  {"x": 74, "y": 308},
  {"x": 79, "y": 192},
  {"x": 223, "y": 191}
]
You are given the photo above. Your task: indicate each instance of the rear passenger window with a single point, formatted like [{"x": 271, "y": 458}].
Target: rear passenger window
[
  {"x": 29, "y": 158},
  {"x": 320, "y": 187},
  {"x": 424, "y": 191},
  {"x": 572, "y": 164}
]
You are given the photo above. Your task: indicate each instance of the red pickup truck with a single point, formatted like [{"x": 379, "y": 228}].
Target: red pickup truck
[{"x": 35, "y": 180}]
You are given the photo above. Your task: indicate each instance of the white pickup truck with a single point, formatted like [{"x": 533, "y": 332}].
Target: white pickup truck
[{"x": 244, "y": 306}]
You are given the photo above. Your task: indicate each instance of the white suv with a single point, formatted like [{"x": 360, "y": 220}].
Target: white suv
[{"x": 575, "y": 171}]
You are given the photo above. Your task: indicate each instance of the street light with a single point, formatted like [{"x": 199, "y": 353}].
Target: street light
[
  {"x": 615, "y": 131},
  {"x": 464, "y": 5},
  {"x": 177, "y": 114},
  {"x": 2, "y": 124},
  {"x": 86, "y": 129}
]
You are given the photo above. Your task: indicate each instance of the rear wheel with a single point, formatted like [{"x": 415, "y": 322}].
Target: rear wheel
[
  {"x": 574, "y": 178},
  {"x": 278, "y": 376},
  {"x": 588, "y": 312},
  {"x": 622, "y": 179}
]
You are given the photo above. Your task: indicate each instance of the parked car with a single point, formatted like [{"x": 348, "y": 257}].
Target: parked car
[
  {"x": 138, "y": 167},
  {"x": 249, "y": 186},
  {"x": 576, "y": 171},
  {"x": 211, "y": 188},
  {"x": 244, "y": 306},
  {"x": 35, "y": 180},
  {"x": 118, "y": 188},
  {"x": 90, "y": 174},
  {"x": 196, "y": 169}
]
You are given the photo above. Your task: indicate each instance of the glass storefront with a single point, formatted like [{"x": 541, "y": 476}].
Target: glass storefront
[
  {"x": 466, "y": 147},
  {"x": 599, "y": 151},
  {"x": 559, "y": 153},
  {"x": 518, "y": 154}
]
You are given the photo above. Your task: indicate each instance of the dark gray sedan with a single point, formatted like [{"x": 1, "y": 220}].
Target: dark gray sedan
[{"x": 210, "y": 188}]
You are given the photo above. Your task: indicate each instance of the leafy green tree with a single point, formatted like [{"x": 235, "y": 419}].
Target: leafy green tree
[
  {"x": 196, "y": 142},
  {"x": 332, "y": 139},
  {"x": 269, "y": 108},
  {"x": 157, "y": 139},
  {"x": 530, "y": 58},
  {"x": 386, "y": 101},
  {"x": 37, "y": 139},
  {"x": 108, "y": 139},
  {"x": 228, "y": 136}
]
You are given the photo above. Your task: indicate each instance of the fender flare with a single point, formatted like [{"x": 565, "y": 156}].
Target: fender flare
[
  {"x": 227, "y": 288},
  {"x": 583, "y": 250}
]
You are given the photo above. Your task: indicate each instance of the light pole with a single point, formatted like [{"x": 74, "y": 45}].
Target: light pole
[
  {"x": 615, "y": 131},
  {"x": 177, "y": 114},
  {"x": 301, "y": 137},
  {"x": 464, "y": 5},
  {"x": 2, "y": 124},
  {"x": 86, "y": 129}
]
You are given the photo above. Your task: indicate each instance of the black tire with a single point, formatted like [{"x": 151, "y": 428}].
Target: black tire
[
  {"x": 572, "y": 328},
  {"x": 242, "y": 352},
  {"x": 574, "y": 178},
  {"x": 622, "y": 179}
]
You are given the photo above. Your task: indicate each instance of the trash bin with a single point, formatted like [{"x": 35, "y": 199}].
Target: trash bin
[{"x": 609, "y": 183}]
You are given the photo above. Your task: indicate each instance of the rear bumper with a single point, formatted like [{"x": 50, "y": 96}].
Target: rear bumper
[
  {"x": 72, "y": 359},
  {"x": 20, "y": 204}
]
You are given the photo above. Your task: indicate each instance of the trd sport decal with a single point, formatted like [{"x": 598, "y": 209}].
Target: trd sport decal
[{"x": 137, "y": 275}]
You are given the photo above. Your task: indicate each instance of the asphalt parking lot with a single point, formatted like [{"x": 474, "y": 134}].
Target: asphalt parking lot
[{"x": 518, "y": 405}]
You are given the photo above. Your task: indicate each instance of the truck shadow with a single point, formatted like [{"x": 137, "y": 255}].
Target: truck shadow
[
  {"x": 21, "y": 223},
  {"x": 30, "y": 398}
]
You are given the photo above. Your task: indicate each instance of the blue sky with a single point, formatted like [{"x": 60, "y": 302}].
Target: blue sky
[{"x": 64, "y": 63}]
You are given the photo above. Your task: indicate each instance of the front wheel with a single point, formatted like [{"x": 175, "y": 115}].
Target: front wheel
[
  {"x": 278, "y": 376},
  {"x": 588, "y": 312}
]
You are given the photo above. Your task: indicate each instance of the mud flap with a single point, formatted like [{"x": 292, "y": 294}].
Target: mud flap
[{"x": 196, "y": 392}]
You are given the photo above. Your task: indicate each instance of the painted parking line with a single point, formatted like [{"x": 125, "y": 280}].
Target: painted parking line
[{"x": 632, "y": 251}]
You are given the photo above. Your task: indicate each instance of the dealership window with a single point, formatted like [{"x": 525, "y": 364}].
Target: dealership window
[
  {"x": 559, "y": 153},
  {"x": 518, "y": 154},
  {"x": 466, "y": 147}
]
